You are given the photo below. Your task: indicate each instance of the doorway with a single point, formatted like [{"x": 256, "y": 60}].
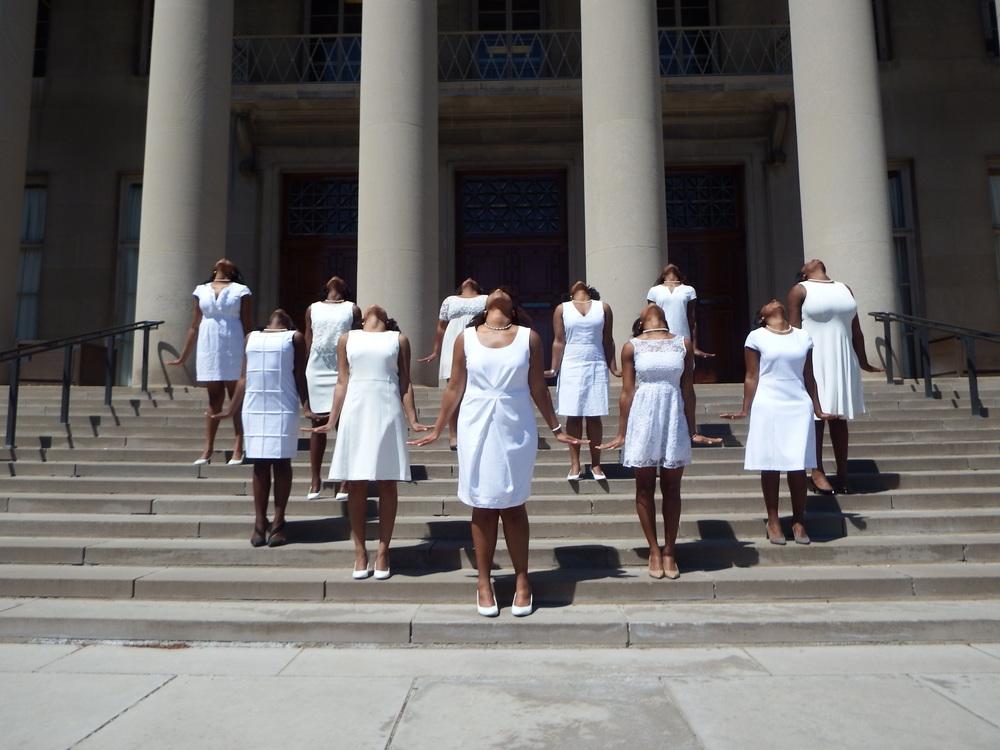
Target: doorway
[
  {"x": 707, "y": 240},
  {"x": 319, "y": 238},
  {"x": 511, "y": 229}
]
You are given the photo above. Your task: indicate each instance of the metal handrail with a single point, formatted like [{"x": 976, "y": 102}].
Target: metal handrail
[
  {"x": 923, "y": 327},
  {"x": 109, "y": 335}
]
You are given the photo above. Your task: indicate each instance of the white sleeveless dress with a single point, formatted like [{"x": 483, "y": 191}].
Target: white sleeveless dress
[
  {"x": 497, "y": 435},
  {"x": 330, "y": 321},
  {"x": 828, "y": 317},
  {"x": 271, "y": 399},
  {"x": 371, "y": 438},
  {"x": 582, "y": 387},
  {"x": 674, "y": 303},
  {"x": 657, "y": 431},
  {"x": 458, "y": 311},
  {"x": 781, "y": 435},
  {"x": 220, "y": 333}
]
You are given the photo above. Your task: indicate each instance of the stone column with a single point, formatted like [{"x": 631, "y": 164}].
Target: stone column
[
  {"x": 841, "y": 149},
  {"x": 17, "y": 44},
  {"x": 185, "y": 175},
  {"x": 625, "y": 207},
  {"x": 398, "y": 168}
]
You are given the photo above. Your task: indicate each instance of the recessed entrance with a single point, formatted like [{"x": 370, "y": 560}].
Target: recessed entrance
[
  {"x": 511, "y": 229},
  {"x": 319, "y": 237},
  {"x": 707, "y": 239}
]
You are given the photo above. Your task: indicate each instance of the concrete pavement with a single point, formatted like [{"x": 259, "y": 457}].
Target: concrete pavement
[{"x": 775, "y": 697}]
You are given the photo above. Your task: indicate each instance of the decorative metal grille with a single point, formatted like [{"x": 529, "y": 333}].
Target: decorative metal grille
[
  {"x": 323, "y": 207},
  {"x": 511, "y": 205},
  {"x": 515, "y": 55},
  {"x": 702, "y": 201}
]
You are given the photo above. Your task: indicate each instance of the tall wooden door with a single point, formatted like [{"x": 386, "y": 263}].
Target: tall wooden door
[
  {"x": 319, "y": 238},
  {"x": 511, "y": 230},
  {"x": 707, "y": 239}
]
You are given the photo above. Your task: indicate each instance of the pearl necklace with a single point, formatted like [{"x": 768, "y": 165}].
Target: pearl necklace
[
  {"x": 498, "y": 328},
  {"x": 652, "y": 330},
  {"x": 775, "y": 330}
]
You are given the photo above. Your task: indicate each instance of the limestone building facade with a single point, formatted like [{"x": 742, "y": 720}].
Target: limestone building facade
[{"x": 407, "y": 144}]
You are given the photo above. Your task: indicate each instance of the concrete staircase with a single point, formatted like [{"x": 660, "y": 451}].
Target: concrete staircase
[{"x": 108, "y": 532}]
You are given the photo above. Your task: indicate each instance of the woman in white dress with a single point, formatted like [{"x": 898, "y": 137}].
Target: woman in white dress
[
  {"x": 456, "y": 312},
  {"x": 657, "y": 427},
  {"x": 220, "y": 320},
  {"x": 373, "y": 366},
  {"x": 679, "y": 302},
  {"x": 583, "y": 351},
  {"x": 326, "y": 321},
  {"x": 269, "y": 394},
  {"x": 827, "y": 311},
  {"x": 497, "y": 371},
  {"x": 779, "y": 395}
]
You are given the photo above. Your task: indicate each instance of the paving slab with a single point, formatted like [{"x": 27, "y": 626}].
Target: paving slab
[
  {"x": 886, "y": 659},
  {"x": 174, "y": 660},
  {"x": 978, "y": 693},
  {"x": 229, "y": 712},
  {"x": 599, "y": 713},
  {"x": 82, "y": 703},
  {"x": 993, "y": 649},
  {"x": 27, "y": 657},
  {"x": 848, "y": 712},
  {"x": 517, "y": 662}
]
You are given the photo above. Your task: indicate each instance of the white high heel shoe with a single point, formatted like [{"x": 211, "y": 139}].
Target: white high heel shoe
[
  {"x": 488, "y": 611},
  {"x": 201, "y": 461},
  {"x": 341, "y": 496},
  {"x": 235, "y": 462},
  {"x": 525, "y": 610},
  {"x": 381, "y": 575},
  {"x": 360, "y": 575},
  {"x": 598, "y": 475},
  {"x": 313, "y": 495}
]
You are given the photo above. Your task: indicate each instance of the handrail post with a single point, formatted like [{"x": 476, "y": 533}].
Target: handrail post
[
  {"x": 969, "y": 345},
  {"x": 145, "y": 359},
  {"x": 15, "y": 382},
  {"x": 887, "y": 333},
  {"x": 925, "y": 361},
  {"x": 67, "y": 379},
  {"x": 109, "y": 369}
]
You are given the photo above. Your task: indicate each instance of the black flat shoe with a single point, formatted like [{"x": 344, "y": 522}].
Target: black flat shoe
[{"x": 826, "y": 493}]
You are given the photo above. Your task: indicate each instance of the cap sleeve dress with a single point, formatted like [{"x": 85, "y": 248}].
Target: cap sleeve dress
[{"x": 220, "y": 333}]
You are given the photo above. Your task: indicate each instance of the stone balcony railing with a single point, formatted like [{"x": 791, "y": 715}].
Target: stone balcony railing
[{"x": 514, "y": 56}]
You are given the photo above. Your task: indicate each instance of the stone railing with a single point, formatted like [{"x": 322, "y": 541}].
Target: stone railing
[{"x": 514, "y": 56}]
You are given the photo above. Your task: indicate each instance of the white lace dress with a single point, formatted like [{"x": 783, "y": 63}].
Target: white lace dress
[
  {"x": 330, "y": 321},
  {"x": 458, "y": 311},
  {"x": 657, "y": 432}
]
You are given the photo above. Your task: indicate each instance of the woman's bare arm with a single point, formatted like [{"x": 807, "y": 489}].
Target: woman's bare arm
[
  {"x": 192, "y": 335},
  {"x": 558, "y": 341},
  {"x": 609, "y": 341},
  {"x": 452, "y": 395},
  {"x": 751, "y": 360},
  {"x": 625, "y": 399}
]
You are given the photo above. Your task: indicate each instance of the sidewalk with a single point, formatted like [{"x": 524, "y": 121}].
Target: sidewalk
[{"x": 104, "y": 696}]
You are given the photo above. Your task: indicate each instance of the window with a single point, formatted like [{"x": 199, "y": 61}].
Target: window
[
  {"x": 995, "y": 201},
  {"x": 335, "y": 16},
  {"x": 144, "y": 38},
  {"x": 684, "y": 13},
  {"x": 509, "y": 15},
  {"x": 904, "y": 240},
  {"x": 129, "y": 216},
  {"x": 883, "y": 39},
  {"x": 42, "y": 23},
  {"x": 988, "y": 10},
  {"x": 29, "y": 275}
]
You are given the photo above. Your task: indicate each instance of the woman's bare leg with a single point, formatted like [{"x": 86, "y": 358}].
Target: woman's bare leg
[
  {"x": 317, "y": 450},
  {"x": 261, "y": 492},
  {"x": 216, "y": 400},
  {"x": 574, "y": 428},
  {"x": 770, "y": 483},
  {"x": 797, "y": 488},
  {"x": 357, "y": 513},
  {"x": 645, "y": 508},
  {"x": 237, "y": 423},
  {"x": 484, "y": 539},
  {"x": 670, "y": 487},
  {"x": 516, "y": 533},
  {"x": 839, "y": 437},
  {"x": 388, "y": 502},
  {"x": 819, "y": 474},
  {"x": 595, "y": 434}
]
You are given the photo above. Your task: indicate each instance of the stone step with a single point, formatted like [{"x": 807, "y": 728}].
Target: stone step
[
  {"x": 182, "y": 453},
  {"x": 948, "y": 500},
  {"x": 450, "y": 554},
  {"x": 551, "y": 587},
  {"x": 706, "y": 463},
  {"x": 680, "y": 623}
]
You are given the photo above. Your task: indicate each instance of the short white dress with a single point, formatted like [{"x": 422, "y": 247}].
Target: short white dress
[
  {"x": 270, "y": 399},
  {"x": 674, "y": 302},
  {"x": 371, "y": 438},
  {"x": 657, "y": 431},
  {"x": 582, "y": 387},
  {"x": 220, "y": 333},
  {"x": 497, "y": 435},
  {"x": 828, "y": 317},
  {"x": 458, "y": 311},
  {"x": 330, "y": 321},
  {"x": 781, "y": 435}
]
